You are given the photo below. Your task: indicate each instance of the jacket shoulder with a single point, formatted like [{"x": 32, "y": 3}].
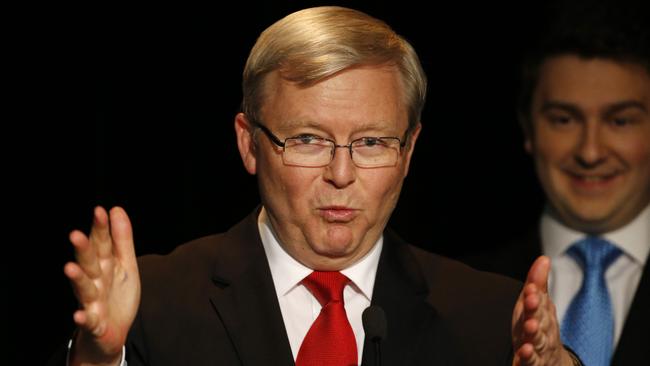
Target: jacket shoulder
[
  {"x": 467, "y": 286},
  {"x": 475, "y": 306}
]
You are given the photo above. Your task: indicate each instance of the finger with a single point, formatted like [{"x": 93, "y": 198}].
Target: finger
[
  {"x": 518, "y": 318},
  {"x": 538, "y": 273},
  {"x": 527, "y": 355},
  {"x": 83, "y": 286},
  {"x": 529, "y": 332},
  {"x": 532, "y": 300},
  {"x": 122, "y": 234},
  {"x": 531, "y": 327},
  {"x": 89, "y": 321},
  {"x": 99, "y": 234},
  {"x": 534, "y": 311},
  {"x": 85, "y": 254},
  {"x": 535, "y": 335}
]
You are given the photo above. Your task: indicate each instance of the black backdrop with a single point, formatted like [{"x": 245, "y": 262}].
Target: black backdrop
[{"x": 135, "y": 106}]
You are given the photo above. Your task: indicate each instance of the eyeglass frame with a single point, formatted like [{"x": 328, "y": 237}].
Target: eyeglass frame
[{"x": 276, "y": 140}]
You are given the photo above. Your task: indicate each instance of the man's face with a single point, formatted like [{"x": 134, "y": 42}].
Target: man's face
[
  {"x": 590, "y": 140},
  {"x": 329, "y": 217}
]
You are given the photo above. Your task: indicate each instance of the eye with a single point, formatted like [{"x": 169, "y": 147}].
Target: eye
[
  {"x": 307, "y": 139},
  {"x": 621, "y": 121},
  {"x": 560, "y": 119},
  {"x": 372, "y": 141}
]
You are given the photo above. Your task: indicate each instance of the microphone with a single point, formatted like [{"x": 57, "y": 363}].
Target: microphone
[{"x": 374, "y": 325}]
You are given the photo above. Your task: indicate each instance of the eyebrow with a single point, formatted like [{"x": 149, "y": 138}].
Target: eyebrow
[
  {"x": 566, "y": 107},
  {"x": 617, "y": 107},
  {"x": 611, "y": 109},
  {"x": 288, "y": 125},
  {"x": 292, "y": 124}
]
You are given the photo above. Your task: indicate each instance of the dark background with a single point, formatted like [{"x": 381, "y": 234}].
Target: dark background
[{"x": 135, "y": 106}]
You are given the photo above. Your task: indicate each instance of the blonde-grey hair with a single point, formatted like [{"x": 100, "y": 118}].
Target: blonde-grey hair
[{"x": 313, "y": 44}]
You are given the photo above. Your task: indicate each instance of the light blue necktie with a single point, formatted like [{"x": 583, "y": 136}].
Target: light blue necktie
[{"x": 588, "y": 325}]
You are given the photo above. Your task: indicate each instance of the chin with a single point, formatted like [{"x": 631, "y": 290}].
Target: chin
[
  {"x": 591, "y": 220},
  {"x": 336, "y": 241},
  {"x": 340, "y": 235}
]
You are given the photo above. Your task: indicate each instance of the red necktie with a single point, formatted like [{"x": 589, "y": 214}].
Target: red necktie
[{"x": 330, "y": 340}]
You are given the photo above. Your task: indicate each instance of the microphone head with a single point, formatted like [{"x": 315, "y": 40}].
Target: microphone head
[{"x": 374, "y": 323}]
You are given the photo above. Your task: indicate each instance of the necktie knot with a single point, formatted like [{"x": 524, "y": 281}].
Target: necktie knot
[
  {"x": 326, "y": 286},
  {"x": 594, "y": 254}
]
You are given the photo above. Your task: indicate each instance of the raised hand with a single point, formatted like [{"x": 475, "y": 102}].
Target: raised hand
[
  {"x": 535, "y": 329},
  {"x": 106, "y": 282}
]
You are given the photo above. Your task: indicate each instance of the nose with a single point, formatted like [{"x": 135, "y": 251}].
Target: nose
[
  {"x": 341, "y": 171},
  {"x": 591, "y": 149}
]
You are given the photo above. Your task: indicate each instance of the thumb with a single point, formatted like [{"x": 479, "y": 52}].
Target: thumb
[
  {"x": 122, "y": 234},
  {"x": 538, "y": 273}
]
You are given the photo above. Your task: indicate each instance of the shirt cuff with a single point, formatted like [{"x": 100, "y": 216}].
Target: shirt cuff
[
  {"x": 574, "y": 357},
  {"x": 122, "y": 360}
]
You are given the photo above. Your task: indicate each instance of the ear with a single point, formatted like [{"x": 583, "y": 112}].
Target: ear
[
  {"x": 526, "y": 127},
  {"x": 245, "y": 143},
  {"x": 410, "y": 146},
  {"x": 528, "y": 145}
]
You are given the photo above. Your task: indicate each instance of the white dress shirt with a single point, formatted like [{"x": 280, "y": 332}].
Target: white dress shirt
[
  {"x": 298, "y": 306},
  {"x": 622, "y": 276}
]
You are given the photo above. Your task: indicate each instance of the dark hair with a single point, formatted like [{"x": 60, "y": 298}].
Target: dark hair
[{"x": 617, "y": 31}]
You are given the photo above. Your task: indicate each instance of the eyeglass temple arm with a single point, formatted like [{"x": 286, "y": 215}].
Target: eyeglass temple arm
[{"x": 268, "y": 133}]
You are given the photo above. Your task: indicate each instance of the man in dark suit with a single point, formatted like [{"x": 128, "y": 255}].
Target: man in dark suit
[
  {"x": 585, "y": 111},
  {"x": 331, "y": 114}
]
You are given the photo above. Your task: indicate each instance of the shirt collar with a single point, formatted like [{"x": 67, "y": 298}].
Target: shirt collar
[
  {"x": 287, "y": 272},
  {"x": 633, "y": 238}
]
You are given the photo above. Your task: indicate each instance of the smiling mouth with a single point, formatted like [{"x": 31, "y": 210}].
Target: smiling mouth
[
  {"x": 338, "y": 214},
  {"x": 593, "y": 181}
]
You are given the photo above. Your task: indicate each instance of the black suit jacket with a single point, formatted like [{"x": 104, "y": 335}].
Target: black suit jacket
[
  {"x": 514, "y": 260},
  {"x": 212, "y": 302}
]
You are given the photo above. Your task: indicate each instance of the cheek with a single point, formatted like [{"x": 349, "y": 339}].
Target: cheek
[
  {"x": 298, "y": 182},
  {"x": 548, "y": 156},
  {"x": 291, "y": 185},
  {"x": 551, "y": 151},
  {"x": 638, "y": 158},
  {"x": 550, "y": 147},
  {"x": 382, "y": 188},
  {"x": 637, "y": 153}
]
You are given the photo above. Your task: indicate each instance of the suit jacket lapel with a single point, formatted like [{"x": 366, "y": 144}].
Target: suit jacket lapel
[
  {"x": 633, "y": 345},
  {"x": 245, "y": 299},
  {"x": 401, "y": 292}
]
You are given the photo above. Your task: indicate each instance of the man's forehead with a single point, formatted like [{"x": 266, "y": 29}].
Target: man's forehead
[
  {"x": 596, "y": 82},
  {"x": 358, "y": 103},
  {"x": 324, "y": 125}
]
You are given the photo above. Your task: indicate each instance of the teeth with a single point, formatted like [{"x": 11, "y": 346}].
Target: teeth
[{"x": 593, "y": 179}]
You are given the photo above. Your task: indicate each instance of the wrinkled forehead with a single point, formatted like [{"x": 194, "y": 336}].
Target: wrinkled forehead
[{"x": 356, "y": 99}]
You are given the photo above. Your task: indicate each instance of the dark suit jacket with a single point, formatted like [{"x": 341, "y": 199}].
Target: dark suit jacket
[
  {"x": 212, "y": 302},
  {"x": 514, "y": 260}
]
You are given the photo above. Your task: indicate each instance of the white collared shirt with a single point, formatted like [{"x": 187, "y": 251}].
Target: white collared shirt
[
  {"x": 298, "y": 306},
  {"x": 622, "y": 276}
]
